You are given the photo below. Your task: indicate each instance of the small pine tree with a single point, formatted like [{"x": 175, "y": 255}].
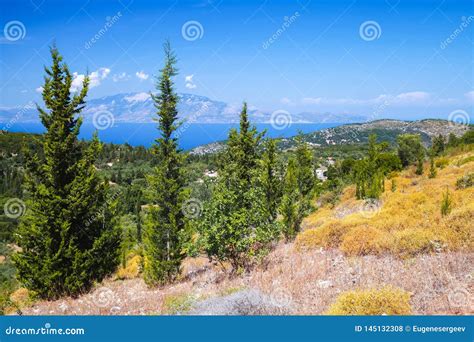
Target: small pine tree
[
  {"x": 269, "y": 179},
  {"x": 432, "y": 165},
  {"x": 446, "y": 203},
  {"x": 291, "y": 201},
  {"x": 68, "y": 236},
  {"x": 165, "y": 220},
  {"x": 419, "y": 161},
  {"x": 394, "y": 185}
]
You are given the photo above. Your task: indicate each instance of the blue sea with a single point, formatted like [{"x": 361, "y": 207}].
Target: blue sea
[{"x": 190, "y": 136}]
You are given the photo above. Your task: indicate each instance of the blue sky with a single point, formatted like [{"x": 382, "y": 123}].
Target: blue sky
[{"x": 414, "y": 60}]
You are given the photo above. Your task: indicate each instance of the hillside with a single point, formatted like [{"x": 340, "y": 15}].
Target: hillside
[
  {"x": 402, "y": 241},
  {"x": 351, "y": 134}
]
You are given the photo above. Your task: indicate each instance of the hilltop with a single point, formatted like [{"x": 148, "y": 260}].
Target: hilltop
[{"x": 354, "y": 134}]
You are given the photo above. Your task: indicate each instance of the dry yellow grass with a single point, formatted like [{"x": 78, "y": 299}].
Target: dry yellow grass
[
  {"x": 409, "y": 220},
  {"x": 132, "y": 268},
  {"x": 388, "y": 301}
]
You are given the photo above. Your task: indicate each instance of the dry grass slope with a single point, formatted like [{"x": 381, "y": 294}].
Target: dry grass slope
[{"x": 409, "y": 220}]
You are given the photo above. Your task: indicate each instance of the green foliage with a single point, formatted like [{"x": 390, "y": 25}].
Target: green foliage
[
  {"x": 433, "y": 171},
  {"x": 409, "y": 149},
  {"x": 446, "y": 203},
  {"x": 393, "y": 187},
  {"x": 369, "y": 173},
  {"x": 68, "y": 235},
  {"x": 419, "y": 161},
  {"x": 291, "y": 202},
  {"x": 165, "y": 220},
  {"x": 438, "y": 145},
  {"x": 466, "y": 181},
  {"x": 237, "y": 225},
  {"x": 298, "y": 190},
  {"x": 270, "y": 182}
]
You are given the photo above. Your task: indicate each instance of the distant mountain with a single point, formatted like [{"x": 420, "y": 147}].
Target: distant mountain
[
  {"x": 386, "y": 130},
  {"x": 139, "y": 108}
]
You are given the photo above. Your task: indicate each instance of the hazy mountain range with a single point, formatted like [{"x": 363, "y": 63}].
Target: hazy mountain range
[{"x": 139, "y": 108}]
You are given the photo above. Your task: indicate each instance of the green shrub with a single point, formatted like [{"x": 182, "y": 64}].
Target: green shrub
[{"x": 465, "y": 182}]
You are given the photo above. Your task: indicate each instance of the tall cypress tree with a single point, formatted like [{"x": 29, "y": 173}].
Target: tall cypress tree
[
  {"x": 236, "y": 224},
  {"x": 68, "y": 235},
  {"x": 269, "y": 179},
  {"x": 166, "y": 221}
]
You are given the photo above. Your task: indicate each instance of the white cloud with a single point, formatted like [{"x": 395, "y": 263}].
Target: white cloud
[
  {"x": 95, "y": 78},
  {"x": 123, "y": 76},
  {"x": 141, "y": 75},
  {"x": 414, "y": 96},
  {"x": 139, "y": 97},
  {"x": 39, "y": 89},
  {"x": 470, "y": 95},
  {"x": 189, "y": 82},
  {"x": 286, "y": 101}
]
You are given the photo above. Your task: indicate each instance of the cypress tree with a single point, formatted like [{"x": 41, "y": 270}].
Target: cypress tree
[
  {"x": 236, "y": 224},
  {"x": 269, "y": 179},
  {"x": 68, "y": 235},
  {"x": 166, "y": 220},
  {"x": 291, "y": 202}
]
